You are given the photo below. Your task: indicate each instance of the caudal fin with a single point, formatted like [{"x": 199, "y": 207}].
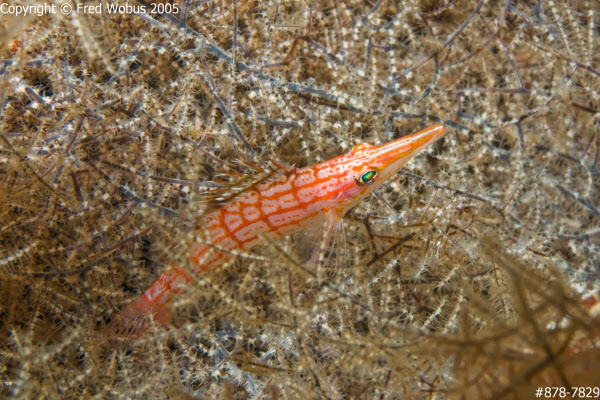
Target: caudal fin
[{"x": 131, "y": 322}]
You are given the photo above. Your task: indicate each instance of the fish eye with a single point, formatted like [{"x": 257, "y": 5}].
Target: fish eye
[{"x": 367, "y": 178}]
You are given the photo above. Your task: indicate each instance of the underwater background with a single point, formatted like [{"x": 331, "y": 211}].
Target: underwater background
[{"x": 472, "y": 274}]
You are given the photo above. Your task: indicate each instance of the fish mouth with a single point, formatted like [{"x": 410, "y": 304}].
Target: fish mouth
[{"x": 401, "y": 150}]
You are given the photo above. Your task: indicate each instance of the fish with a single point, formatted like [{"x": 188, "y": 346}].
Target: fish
[{"x": 301, "y": 200}]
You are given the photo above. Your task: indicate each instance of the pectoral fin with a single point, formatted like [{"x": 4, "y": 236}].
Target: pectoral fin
[{"x": 319, "y": 243}]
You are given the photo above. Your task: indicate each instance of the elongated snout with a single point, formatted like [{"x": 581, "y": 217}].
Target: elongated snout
[{"x": 398, "y": 152}]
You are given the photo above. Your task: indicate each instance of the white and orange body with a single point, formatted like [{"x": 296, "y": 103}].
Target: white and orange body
[{"x": 315, "y": 195}]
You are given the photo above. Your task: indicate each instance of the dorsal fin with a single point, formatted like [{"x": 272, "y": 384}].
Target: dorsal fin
[
  {"x": 226, "y": 191},
  {"x": 283, "y": 166}
]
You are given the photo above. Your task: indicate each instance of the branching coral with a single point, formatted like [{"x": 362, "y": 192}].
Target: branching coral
[{"x": 463, "y": 277}]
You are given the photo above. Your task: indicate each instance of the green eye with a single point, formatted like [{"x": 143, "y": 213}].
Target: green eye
[{"x": 367, "y": 178}]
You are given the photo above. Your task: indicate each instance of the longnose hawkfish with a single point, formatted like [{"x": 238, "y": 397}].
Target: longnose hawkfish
[{"x": 300, "y": 200}]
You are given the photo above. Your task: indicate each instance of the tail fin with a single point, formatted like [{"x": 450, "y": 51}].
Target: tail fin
[
  {"x": 131, "y": 322},
  {"x": 152, "y": 305}
]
